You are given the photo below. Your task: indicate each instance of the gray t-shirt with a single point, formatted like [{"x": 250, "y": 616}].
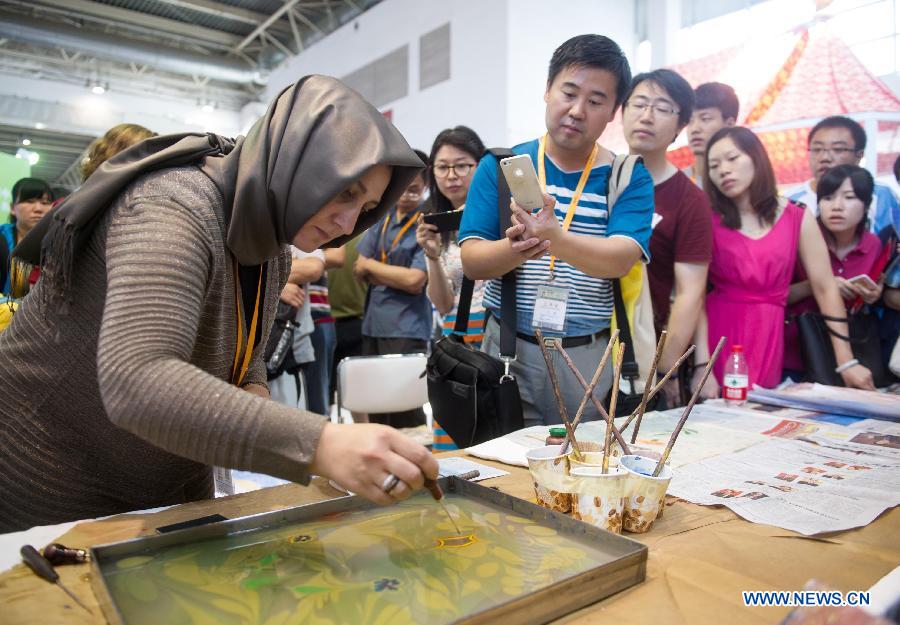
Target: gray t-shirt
[
  {"x": 303, "y": 347},
  {"x": 392, "y": 313}
]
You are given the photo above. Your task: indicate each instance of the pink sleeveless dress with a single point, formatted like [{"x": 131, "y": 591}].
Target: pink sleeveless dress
[{"x": 751, "y": 279}]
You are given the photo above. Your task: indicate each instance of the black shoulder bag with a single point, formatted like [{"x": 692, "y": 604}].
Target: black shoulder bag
[
  {"x": 280, "y": 342},
  {"x": 818, "y": 355},
  {"x": 473, "y": 394}
]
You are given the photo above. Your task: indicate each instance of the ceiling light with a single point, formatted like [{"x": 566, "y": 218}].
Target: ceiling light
[
  {"x": 98, "y": 89},
  {"x": 26, "y": 141},
  {"x": 40, "y": 125},
  {"x": 28, "y": 155}
]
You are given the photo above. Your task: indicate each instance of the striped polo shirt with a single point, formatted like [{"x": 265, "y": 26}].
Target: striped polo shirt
[{"x": 590, "y": 302}]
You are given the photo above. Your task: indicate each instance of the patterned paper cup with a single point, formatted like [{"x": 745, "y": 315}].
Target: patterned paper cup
[
  {"x": 599, "y": 498},
  {"x": 550, "y": 475},
  {"x": 645, "y": 495}
]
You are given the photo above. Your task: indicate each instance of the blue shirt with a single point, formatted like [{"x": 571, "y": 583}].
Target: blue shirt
[
  {"x": 7, "y": 231},
  {"x": 392, "y": 313},
  {"x": 590, "y": 303}
]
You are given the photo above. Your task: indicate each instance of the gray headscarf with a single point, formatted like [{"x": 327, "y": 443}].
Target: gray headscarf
[{"x": 315, "y": 140}]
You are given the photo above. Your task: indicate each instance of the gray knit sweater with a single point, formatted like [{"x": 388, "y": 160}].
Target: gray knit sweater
[{"x": 124, "y": 402}]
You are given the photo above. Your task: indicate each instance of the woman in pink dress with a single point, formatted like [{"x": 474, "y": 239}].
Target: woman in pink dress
[{"x": 757, "y": 237}]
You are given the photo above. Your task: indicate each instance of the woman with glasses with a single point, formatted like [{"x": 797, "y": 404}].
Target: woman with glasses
[
  {"x": 398, "y": 315},
  {"x": 454, "y": 156},
  {"x": 32, "y": 198},
  {"x": 758, "y": 237}
]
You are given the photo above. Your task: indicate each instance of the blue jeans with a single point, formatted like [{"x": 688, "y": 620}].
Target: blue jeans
[{"x": 318, "y": 372}]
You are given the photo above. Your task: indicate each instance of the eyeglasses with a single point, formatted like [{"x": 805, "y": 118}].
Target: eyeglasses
[
  {"x": 658, "y": 108},
  {"x": 832, "y": 151},
  {"x": 413, "y": 195},
  {"x": 462, "y": 169}
]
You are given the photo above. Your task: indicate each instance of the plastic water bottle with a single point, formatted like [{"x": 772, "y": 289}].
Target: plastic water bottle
[{"x": 735, "y": 378}]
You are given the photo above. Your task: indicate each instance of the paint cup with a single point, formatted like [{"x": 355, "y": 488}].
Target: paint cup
[
  {"x": 599, "y": 498},
  {"x": 550, "y": 475},
  {"x": 592, "y": 455},
  {"x": 645, "y": 495}
]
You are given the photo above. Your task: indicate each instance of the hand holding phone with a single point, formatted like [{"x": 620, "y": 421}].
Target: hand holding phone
[
  {"x": 523, "y": 181},
  {"x": 863, "y": 280}
]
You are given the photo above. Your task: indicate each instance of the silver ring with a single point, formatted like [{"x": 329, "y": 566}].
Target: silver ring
[{"x": 390, "y": 483}]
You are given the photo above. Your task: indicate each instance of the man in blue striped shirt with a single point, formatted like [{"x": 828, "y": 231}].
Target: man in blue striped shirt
[{"x": 573, "y": 244}]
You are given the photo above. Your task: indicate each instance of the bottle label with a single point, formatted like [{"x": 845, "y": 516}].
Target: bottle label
[{"x": 735, "y": 387}]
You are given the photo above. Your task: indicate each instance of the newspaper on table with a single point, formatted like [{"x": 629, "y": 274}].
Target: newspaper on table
[
  {"x": 845, "y": 401},
  {"x": 798, "y": 485}
]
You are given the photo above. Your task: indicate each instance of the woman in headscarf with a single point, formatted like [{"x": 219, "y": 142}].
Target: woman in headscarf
[{"x": 126, "y": 371}]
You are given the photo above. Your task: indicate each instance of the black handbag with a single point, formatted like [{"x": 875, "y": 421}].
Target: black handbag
[
  {"x": 473, "y": 395},
  {"x": 281, "y": 341},
  {"x": 818, "y": 354}
]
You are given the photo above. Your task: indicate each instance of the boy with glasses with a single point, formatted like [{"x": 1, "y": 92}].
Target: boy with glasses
[
  {"x": 570, "y": 249},
  {"x": 839, "y": 140},
  {"x": 397, "y": 318},
  {"x": 656, "y": 111},
  {"x": 715, "y": 106}
]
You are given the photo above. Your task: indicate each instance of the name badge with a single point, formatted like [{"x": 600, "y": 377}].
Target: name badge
[{"x": 550, "y": 308}]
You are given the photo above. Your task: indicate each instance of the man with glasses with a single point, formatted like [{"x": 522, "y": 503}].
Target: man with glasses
[
  {"x": 565, "y": 254},
  {"x": 839, "y": 140},
  {"x": 397, "y": 317},
  {"x": 656, "y": 111}
]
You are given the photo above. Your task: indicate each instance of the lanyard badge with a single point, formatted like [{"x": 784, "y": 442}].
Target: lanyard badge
[{"x": 551, "y": 301}]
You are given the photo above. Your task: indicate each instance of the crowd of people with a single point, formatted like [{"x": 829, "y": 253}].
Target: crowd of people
[{"x": 156, "y": 282}]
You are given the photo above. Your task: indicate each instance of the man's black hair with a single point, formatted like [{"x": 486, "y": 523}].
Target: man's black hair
[
  {"x": 717, "y": 95},
  {"x": 897, "y": 169},
  {"x": 840, "y": 121},
  {"x": 679, "y": 90},
  {"x": 594, "y": 51}
]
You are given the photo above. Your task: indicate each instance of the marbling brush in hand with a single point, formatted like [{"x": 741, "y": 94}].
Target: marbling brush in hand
[{"x": 438, "y": 494}]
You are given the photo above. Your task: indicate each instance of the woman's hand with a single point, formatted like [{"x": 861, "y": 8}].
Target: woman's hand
[
  {"x": 428, "y": 238},
  {"x": 360, "y": 269},
  {"x": 858, "y": 376},
  {"x": 710, "y": 389},
  {"x": 361, "y": 456},
  {"x": 847, "y": 290},
  {"x": 869, "y": 294}
]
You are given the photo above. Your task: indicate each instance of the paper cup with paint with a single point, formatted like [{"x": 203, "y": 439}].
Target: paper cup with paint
[
  {"x": 599, "y": 498},
  {"x": 550, "y": 475},
  {"x": 592, "y": 455},
  {"x": 645, "y": 495}
]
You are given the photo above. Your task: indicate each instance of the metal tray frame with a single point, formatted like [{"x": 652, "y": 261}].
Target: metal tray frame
[{"x": 541, "y": 606}]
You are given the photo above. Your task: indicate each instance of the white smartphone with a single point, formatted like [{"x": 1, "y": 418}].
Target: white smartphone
[
  {"x": 863, "y": 279},
  {"x": 523, "y": 181}
]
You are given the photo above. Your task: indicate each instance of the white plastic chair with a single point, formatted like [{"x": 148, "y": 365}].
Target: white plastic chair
[{"x": 375, "y": 384}]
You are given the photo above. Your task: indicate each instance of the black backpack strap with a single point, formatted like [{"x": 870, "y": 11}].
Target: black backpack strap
[
  {"x": 508, "y": 286},
  {"x": 465, "y": 303}
]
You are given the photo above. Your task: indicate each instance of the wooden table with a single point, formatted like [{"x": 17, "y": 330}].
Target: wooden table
[{"x": 700, "y": 560}]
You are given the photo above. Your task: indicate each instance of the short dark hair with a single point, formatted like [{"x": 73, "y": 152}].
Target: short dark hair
[
  {"x": 841, "y": 121},
  {"x": 595, "y": 51},
  {"x": 462, "y": 138},
  {"x": 863, "y": 187},
  {"x": 763, "y": 188},
  {"x": 897, "y": 169},
  {"x": 675, "y": 85},
  {"x": 717, "y": 95},
  {"x": 29, "y": 189}
]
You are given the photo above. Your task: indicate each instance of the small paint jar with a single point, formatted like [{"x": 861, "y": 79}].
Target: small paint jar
[{"x": 557, "y": 436}]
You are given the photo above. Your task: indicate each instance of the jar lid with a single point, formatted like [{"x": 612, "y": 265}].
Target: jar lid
[{"x": 558, "y": 432}]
